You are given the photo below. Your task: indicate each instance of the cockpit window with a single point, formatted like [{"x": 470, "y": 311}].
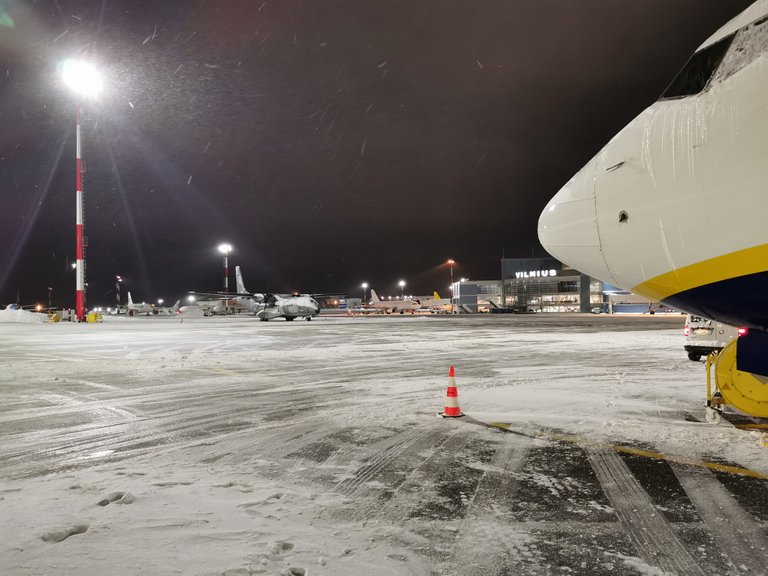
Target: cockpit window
[
  {"x": 750, "y": 43},
  {"x": 695, "y": 75}
]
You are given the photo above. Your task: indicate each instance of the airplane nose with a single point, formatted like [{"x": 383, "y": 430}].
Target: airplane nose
[{"x": 568, "y": 225}]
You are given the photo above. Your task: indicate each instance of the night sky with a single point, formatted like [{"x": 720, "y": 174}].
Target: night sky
[{"x": 331, "y": 142}]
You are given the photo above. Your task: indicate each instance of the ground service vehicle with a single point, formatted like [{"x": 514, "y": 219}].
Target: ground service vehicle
[{"x": 704, "y": 336}]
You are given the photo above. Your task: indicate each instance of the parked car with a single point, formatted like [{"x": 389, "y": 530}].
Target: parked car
[{"x": 704, "y": 336}]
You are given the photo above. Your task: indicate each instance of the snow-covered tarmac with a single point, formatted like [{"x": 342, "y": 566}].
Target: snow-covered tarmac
[{"x": 231, "y": 446}]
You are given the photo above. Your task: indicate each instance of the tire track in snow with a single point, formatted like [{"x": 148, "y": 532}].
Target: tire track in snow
[
  {"x": 118, "y": 437},
  {"x": 387, "y": 454},
  {"x": 740, "y": 538},
  {"x": 656, "y": 542},
  {"x": 483, "y": 528}
]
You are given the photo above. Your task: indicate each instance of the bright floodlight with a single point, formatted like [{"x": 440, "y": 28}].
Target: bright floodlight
[
  {"x": 365, "y": 285},
  {"x": 225, "y": 248},
  {"x": 81, "y": 77},
  {"x": 401, "y": 283}
]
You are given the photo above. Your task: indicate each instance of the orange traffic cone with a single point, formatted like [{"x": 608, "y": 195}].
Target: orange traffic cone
[{"x": 452, "y": 409}]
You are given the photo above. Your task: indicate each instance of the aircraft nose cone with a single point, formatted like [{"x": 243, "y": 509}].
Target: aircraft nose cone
[{"x": 568, "y": 225}]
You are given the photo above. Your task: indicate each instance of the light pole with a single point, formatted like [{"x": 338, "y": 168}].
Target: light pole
[
  {"x": 226, "y": 249},
  {"x": 84, "y": 80},
  {"x": 118, "y": 281},
  {"x": 450, "y": 263},
  {"x": 364, "y": 287},
  {"x": 402, "y": 285}
]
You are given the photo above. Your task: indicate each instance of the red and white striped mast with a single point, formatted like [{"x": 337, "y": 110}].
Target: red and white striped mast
[
  {"x": 79, "y": 238},
  {"x": 83, "y": 78}
]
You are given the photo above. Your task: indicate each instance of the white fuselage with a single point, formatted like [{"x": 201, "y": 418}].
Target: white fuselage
[
  {"x": 138, "y": 307},
  {"x": 674, "y": 207},
  {"x": 289, "y": 308},
  {"x": 393, "y": 305}
]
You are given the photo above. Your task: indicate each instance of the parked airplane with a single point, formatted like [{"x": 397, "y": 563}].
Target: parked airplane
[
  {"x": 264, "y": 306},
  {"x": 673, "y": 207},
  {"x": 247, "y": 300},
  {"x": 290, "y": 308},
  {"x": 167, "y": 310},
  {"x": 208, "y": 304},
  {"x": 141, "y": 308},
  {"x": 271, "y": 306},
  {"x": 436, "y": 304},
  {"x": 390, "y": 306}
]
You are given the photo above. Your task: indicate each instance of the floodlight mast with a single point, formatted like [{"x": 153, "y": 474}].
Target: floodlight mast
[
  {"x": 79, "y": 226},
  {"x": 226, "y": 249},
  {"x": 84, "y": 80}
]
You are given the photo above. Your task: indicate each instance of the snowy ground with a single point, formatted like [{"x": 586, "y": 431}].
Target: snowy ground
[{"x": 231, "y": 446}]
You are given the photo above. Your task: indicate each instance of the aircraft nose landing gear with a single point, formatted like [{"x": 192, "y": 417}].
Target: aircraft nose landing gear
[{"x": 745, "y": 391}]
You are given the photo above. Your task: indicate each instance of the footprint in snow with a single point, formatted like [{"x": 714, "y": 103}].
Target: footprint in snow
[
  {"x": 64, "y": 533},
  {"x": 118, "y": 497},
  {"x": 239, "y": 486},
  {"x": 282, "y": 547},
  {"x": 268, "y": 500}
]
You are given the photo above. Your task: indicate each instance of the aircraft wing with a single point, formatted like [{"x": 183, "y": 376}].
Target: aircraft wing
[{"x": 225, "y": 296}]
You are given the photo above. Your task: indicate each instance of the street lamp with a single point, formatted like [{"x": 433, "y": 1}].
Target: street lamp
[
  {"x": 82, "y": 78},
  {"x": 450, "y": 263},
  {"x": 226, "y": 249},
  {"x": 402, "y": 285},
  {"x": 118, "y": 281},
  {"x": 364, "y": 287}
]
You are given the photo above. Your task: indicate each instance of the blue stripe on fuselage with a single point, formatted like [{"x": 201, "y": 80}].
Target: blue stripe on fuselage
[{"x": 741, "y": 301}]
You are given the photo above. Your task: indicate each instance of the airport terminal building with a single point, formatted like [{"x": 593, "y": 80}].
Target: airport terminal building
[{"x": 531, "y": 285}]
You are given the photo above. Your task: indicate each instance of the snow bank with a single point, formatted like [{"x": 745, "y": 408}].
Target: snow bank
[{"x": 22, "y": 316}]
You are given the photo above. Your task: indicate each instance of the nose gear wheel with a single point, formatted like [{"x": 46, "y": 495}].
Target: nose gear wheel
[{"x": 744, "y": 391}]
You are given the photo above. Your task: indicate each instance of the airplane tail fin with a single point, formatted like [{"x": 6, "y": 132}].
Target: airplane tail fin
[
  {"x": 239, "y": 281},
  {"x": 175, "y": 307},
  {"x": 374, "y": 296},
  {"x": 130, "y": 300},
  {"x": 436, "y": 295}
]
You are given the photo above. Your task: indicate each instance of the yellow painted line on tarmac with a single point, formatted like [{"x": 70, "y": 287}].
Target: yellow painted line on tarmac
[{"x": 738, "y": 470}]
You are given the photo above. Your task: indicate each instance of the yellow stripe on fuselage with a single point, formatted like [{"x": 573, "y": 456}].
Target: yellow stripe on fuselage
[{"x": 741, "y": 263}]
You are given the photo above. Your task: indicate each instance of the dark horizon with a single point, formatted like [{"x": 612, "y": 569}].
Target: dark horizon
[{"x": 330, "y": 143}]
